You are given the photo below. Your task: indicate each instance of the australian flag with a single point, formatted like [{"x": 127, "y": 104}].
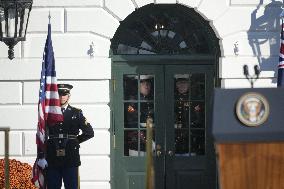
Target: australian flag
[
  {"x": 49, "y": 110},
  {"x": 280, "y": 79}
]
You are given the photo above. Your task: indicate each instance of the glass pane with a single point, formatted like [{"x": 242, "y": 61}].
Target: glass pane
[
  {"x": 181, "y": 142},
  {"x": 130, "y": 143},
  {"x": 2, "y": 20},
  {"x": 197, "y": 115},
  {"x": 25, "y": 23},
  {"x": 147, "y": 111},
  {"x": 146, "y": 87},
  {"x": 130, "y": 115},
  {"x": 197, "y": 87},
  {"x": 197, "y": 143},
  {"x": 135, "y": 143},
  {"x": 182, "y": 114},
  {"x": 136, "y": 111},
  {"x": 130, "y": 87},
  {"x": 11, "y": 22},
  {"x": 142, "y": 138}
]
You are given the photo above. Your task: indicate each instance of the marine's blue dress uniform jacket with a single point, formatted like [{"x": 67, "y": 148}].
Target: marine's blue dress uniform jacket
[{"x": 65, "y": 135}]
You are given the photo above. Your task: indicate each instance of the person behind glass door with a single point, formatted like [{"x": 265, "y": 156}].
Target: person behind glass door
[
  {"x": 146, "y": 111},
  {"x": 63, "y": 158},
  {"x": 182, "y": 111}
]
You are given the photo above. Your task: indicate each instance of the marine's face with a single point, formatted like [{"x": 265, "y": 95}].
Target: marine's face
[
  {"x": 64, "y": 98},
  {"x": 145, "y": 88},
  {"x": 182, "y": 87}
]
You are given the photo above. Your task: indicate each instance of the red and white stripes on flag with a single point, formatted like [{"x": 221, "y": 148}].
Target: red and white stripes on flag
[
  {"x": 280, "y": 78},
  {"x": 49, "y": 110}
]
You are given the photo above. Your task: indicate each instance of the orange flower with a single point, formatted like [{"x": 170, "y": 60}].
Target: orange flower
[{"x": 20, "y": 175}]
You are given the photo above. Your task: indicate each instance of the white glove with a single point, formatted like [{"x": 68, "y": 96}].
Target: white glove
[{"x": 42, "y": 163}]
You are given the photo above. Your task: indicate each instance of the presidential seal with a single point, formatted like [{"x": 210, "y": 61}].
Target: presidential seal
[{"x": 252, "y": 109}]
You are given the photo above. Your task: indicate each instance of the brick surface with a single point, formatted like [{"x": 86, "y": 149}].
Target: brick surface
[
  {"x": 95, "y": 185},
  {"x": 120, "y": 8},
  {"x": 142, "y": 3},
  {"x": 95, "y": 168},
  {"x": 237, "y": 22},
  {"x": 243, "y": 83},
  {"x": 212, "y": 10},
  {"x": 249, "y": 3},
  {"x": 29, "y": 69},
  {"x": 232, "y": 67},
  {"x": 38, "y": 20},
  {"x": 10, "y": 93},
  {"x": 29, "y": 138},
  {"x": 252, "y": 44},
  {"x": 99, "y": 145},
  {"x": 94, "y": 20},
  {"x": 26, "y": 117},
  {"x": 165, "y": 1},
  {"x": 67, "y": 45},
  {"x": 75, "y": 3},
  {"x": 192, "y": 4},
  {"x": 97, "y": 115},
  {"x": 15, "y": 143}
]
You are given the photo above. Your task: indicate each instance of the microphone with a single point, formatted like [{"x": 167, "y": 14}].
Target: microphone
[
  {"x": 256, "y": 70},
  {"x": 246, "y": 73}
]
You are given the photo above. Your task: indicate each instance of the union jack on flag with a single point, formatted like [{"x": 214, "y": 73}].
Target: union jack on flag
[
  {"x": 280, "y": 79},
  {"x": 49, "y": 110}
]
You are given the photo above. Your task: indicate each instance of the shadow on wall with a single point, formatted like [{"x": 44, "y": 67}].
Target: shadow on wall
[{"x": 265, "y": 28}]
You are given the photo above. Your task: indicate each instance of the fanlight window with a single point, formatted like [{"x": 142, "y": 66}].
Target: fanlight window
[{"x": 163, "y": 29}]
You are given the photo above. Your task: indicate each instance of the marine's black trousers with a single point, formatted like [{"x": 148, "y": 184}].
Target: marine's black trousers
[{"x": 69, "y": 175}]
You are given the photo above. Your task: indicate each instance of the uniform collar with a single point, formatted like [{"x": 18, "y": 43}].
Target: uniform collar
[{"x": 65, "y": 107}]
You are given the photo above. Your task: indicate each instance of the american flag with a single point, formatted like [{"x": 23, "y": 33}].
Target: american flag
[
  {"x": 49, "y": 110},
  {"x": 280, "y": 79}
]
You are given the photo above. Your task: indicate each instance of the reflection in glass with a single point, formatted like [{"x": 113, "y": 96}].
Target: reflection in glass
[
  {"x": 130, "y": 87},
  {"x": 130, "y": 143},
  {"x": 197, "y": 87},
  {"x": 130, "y": 115},
  {"x": 197, "y": 115},
  {"x": 146, "y": 111},
  {"x": 197, "y": 142},
  {"x": 181, "y": 142},
  {"x": 135, "y": 143}
]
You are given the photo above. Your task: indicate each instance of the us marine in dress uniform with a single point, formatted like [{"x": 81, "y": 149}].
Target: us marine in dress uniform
[
  {"x": 131, "y": 118},
  {"x": 63, "y": 144},
  {"x": 182, "y": 114},
  {"x": 183, "y": 122}
]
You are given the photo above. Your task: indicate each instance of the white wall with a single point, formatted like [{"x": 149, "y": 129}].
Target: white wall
[{"x": 78, "y": 24}]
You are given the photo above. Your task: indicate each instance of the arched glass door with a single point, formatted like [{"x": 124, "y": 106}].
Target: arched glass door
[
  {"x": 177, "y": 97},
  {"x": 163, "y": 64}
]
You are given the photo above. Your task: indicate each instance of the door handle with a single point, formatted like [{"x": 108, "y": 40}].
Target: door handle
[
  {"x": 159, "y": 153},
  {"x": 170, "y": 153}
]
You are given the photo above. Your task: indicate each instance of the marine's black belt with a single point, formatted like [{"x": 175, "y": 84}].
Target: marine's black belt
[{"x": 62, "y": 136}]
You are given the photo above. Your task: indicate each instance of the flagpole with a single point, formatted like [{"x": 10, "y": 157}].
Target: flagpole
[
  {"x": 150, "y": 175},
  {"x": 49, "y": 17}
]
